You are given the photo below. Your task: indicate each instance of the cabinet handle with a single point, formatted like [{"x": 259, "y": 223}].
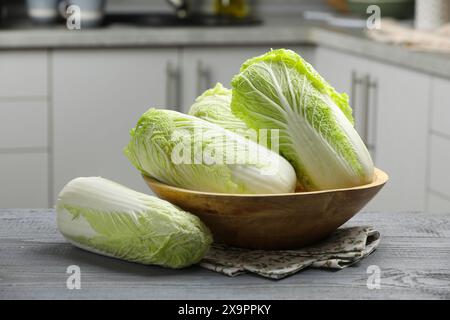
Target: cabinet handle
[
  {"x": 366, "y": 124},
  {"x": 353, "y": 90},
  {"x": 203, "y": 78},
  {"x": 355, "y": 82},
  {"x": 173, "y": 85},
  {"x": 373, "y": 92},
  {"x": 370, "y": 113},
  {"x": 367, "y": 110}
]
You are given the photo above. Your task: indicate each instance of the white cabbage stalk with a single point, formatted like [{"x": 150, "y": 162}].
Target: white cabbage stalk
[
  {"x": 191, "y": 153},
  {"x": 104, "y": 217},
  {"x": 279, "y": 90}
]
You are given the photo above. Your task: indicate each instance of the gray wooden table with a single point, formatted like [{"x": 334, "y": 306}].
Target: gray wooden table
[{"x": 414, "y": 259}]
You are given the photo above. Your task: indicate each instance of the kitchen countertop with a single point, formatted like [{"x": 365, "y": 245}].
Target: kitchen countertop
[
  {"x": 413, "y": 257},
  {"x": 274, "y": 31}
]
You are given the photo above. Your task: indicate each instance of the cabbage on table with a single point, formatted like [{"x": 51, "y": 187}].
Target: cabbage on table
[
  {"x": 279, "y": 90},
  {"x": 105, "y": 217}
]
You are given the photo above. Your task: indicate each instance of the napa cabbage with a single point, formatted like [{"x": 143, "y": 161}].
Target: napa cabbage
[
  {"x": 280, "y": 90},
  {"x": 214, "y": 105},
  {"x": 191, "y": 153},
  {"x": 107, "y": 218}
]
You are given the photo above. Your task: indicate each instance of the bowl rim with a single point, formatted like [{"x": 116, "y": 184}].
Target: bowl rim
[{"x": 380, "y": 178}]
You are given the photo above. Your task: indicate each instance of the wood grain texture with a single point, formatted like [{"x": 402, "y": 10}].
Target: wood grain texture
[
  {"x": 414, "y": 258},
  {"x": 272, "y": 221}
]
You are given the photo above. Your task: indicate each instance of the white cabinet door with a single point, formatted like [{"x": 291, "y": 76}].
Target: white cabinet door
[
  {"x": 439, "y": 149},
  {"x": 391, "y": 115},
  {"x": 24, "y": 180},
  {"x": 23, "y": 73},
  {"x": 399, "y": 113},
  {"x": 439, "y": 160},
  {"x": 23, "y": 125},
  {"x": 204, "y": 67},
  {"x": 438, "y": 204},
  {"x": 440, "y": 103},
  {"x": 24, "y": 129},
  {"x": 98, "y": 96}
]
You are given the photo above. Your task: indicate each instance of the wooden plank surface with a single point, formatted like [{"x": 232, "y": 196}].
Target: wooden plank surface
[{"x": 414, "y": 258}]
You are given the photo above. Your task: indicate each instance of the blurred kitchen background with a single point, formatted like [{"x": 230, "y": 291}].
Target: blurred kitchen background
[{"x": 69, "y": 97}]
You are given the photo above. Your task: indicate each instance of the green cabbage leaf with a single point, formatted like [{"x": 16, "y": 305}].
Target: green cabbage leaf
[
  {"x": 191, "y": 153},
  {"x": 280, "y": 90},
  {"x": 214, "y": 106},
  {"x": 107, "y": 218}
]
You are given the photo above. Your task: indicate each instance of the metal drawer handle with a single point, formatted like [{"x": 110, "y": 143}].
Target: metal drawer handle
[
  {"x": 367, "y": 110},
  {"x": 366, "y": 120},
  {"x": 173, "y": 85},
  {"x": 373, "y": 94},
  {"x": 355, "y": 82}
]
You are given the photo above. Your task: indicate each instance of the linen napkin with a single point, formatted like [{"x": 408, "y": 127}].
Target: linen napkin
[{"x": 341, "y": 249}]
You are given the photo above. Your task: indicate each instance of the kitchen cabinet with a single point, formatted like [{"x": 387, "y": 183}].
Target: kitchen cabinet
[
  {"x": 98, "y": 96},
  {"x": 437, "y": 203},
  {"x": 391, "y": 118},
  {"x": 400, "y": 118},
  {"x": 439, "y": 149},
  {"x": 439, "y": 163},
  {"x": 24, "y": 180},
  {"x": 23, "y": 74},
  {"x": 23, "y": 125},
  {"x": 204, "y": 67},
  {"x": 24, "y": 129},
  {"x": 75, "y": 108},
  {"x": 440, "y": 105}
]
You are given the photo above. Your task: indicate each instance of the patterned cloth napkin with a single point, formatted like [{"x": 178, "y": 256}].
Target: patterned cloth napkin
[{"x": 341, "y": 249}]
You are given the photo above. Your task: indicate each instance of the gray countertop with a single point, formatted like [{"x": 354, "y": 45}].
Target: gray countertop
[
  {"x": 275, "y": 32},
  {"x": 413, "y": 257}
]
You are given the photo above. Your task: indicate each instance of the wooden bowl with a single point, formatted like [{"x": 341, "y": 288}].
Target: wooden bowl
[{"x": 280, "y": 221}]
